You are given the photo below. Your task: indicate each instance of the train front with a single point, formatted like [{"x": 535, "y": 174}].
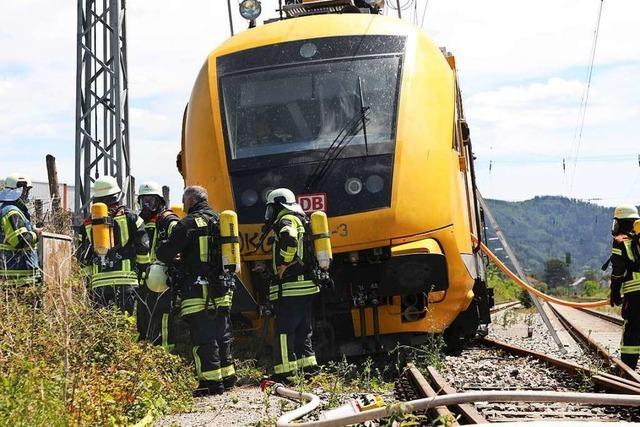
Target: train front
[{"x": 356, "y": 115}]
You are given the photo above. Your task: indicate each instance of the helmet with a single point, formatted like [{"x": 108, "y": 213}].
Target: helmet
[
  {"x": 278, "y": 199},
  {"x": 16, "y": 180},
  {"x": 105, "y": 186},
  {"x": 281, "y": 195},
  {"x": 626, "y": 212},
  {"x": 150, "y": 188},
  {"x": 157, "y": 277}
]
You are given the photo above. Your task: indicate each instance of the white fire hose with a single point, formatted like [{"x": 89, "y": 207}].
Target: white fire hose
[{"x": 313, "y": 402}]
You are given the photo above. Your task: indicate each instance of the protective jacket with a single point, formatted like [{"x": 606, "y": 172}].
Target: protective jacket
[
  {"x": 129, "y": 255},
  {"x": 626, "y": 264},
  {"x": 191, "y": 237},
  {"x": 18, "y": 245},
  {"x": 289, "y": 249}
]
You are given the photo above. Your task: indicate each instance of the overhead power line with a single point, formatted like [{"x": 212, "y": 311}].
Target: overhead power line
[{"x": 585, "y": 99}]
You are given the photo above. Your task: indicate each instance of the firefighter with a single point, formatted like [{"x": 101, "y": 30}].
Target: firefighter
[
  {"x": 18, "y": 237},
  {"x": 625, "y": 280},
  {"x": 292, "y": 289},
  {"x": 114, "y": 278},
  {"x": 153, "y": 313},
  {"x": 205, "y": 301}
]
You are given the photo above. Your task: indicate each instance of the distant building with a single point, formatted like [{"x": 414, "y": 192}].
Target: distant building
[{"x": 40, "y": 191}]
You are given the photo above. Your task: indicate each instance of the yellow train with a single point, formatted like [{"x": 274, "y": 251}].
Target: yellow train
[{"x": 361, "y": 116}]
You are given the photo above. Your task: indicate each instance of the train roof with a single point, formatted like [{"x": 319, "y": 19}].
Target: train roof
[{"x": 317, "y": 26}]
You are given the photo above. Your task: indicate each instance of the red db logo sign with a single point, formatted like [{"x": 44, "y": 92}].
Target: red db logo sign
[{"x": 313, "y": 202}]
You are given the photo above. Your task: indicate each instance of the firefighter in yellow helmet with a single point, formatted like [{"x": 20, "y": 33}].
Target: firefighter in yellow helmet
[
  {"x": 293, "y": 288},
  {"x": 625, "y": 280},
  {"x": 114, "y": 278},
  {"x": 153, "y": 313},
  {"x": 18, "y": 237}
]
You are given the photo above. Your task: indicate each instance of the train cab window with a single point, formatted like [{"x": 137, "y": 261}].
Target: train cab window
[{"x": 303, "y": 105}]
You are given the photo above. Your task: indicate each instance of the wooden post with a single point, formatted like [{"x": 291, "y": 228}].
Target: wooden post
[
  {"x": 52, "y": 174},
  {"x": 166, "y": 195}
]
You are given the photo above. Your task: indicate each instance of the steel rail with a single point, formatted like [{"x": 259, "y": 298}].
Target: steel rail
[
  {"x": 602, "y": 379},
  {"x": 609, "y": 318},
  {"x": 424, "y": 389},
  {"x": 468, "y": 412},
  {"x": 597, "y": 347},
  {"x": 504, "y": 306}
]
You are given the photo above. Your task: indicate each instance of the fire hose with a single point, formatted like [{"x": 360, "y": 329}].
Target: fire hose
[
  {"x": 522, "y": 284},
  {"x": 402, "y": 408}
]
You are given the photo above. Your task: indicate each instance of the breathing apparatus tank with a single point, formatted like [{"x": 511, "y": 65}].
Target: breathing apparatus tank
[
  {"x": 230, "y": 242},
  {"x": 101, "y": 229},
  {"x": 636, "y": 227},
  {"x": 321, "y": 239},
  {"x": 178, "y": 209}
]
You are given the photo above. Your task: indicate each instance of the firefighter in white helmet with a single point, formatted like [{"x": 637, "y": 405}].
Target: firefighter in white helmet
[
  {"x": 115, "y": 278},
  {"x": 18, "y": 237},
  {"x": 625, "y": 280},
  {"x": 153, "y": 313},
  {"x": 292, "y": 289}
]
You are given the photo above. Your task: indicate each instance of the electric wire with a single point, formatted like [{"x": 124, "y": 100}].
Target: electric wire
[
  {"x": 585, "y": 100},
  {"x": 424, "y": 13}
]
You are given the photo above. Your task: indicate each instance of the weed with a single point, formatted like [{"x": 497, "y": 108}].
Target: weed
[{"x": 431, "y": 353}]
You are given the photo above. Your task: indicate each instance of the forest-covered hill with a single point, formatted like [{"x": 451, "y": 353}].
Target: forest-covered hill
[{"x": 552, "y": 227}]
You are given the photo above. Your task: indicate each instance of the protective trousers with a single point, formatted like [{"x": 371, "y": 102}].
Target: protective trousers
[
  {"x": 121, "y": 296},
  {"x": 153, "y": 318},
  {"x": 293, "y": 348},
  {"x": 211, "y": 337},
  {"x": 630, "y": 346}
]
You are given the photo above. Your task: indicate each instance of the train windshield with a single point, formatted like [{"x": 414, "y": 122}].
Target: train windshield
[{"x": 304, "y": 106}]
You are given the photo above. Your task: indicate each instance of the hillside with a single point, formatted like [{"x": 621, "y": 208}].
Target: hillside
[{"x": 549, "y": 227}]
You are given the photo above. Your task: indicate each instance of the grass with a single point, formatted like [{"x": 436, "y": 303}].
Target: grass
[{"x": 68, "y": 363}]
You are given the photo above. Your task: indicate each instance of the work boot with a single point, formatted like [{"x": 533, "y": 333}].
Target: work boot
[
  {"x": 311, "y": 371},
  {"x": 283, "y": 379},
  {"x": 208, "y": 388},
  {"x": 229, "y": 382}
]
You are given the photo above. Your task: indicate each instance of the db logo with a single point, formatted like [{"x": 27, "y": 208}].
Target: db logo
[{"x": 313, "y": 202}]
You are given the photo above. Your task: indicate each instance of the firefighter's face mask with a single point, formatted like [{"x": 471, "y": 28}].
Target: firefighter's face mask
[
  {"x": 150, "y": 203},
  {"x": 270, "y": 213},
  {"x": 25, "y": 194}
]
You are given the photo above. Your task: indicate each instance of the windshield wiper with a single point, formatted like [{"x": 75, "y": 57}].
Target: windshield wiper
[
  {"x": 363, "y": 109},
  {"x": 344, "y": 137}
]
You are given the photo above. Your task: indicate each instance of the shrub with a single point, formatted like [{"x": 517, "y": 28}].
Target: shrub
[{"x": 68, "y": 363}]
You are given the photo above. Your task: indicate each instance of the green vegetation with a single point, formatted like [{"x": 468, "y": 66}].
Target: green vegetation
[
  {"x": 504, "y": 289},
  {"x": 70, "y": 364},
  {"x": 552, "y": 227}
]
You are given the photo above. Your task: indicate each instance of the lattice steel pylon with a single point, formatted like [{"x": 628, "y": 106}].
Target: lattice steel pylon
[{"x": 102, "y": 102}]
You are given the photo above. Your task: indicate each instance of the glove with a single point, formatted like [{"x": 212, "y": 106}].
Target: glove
[{"x": 615, "y": 298}]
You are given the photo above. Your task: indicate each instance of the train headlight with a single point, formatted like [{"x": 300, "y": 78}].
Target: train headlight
[
  {"x": 249, "y": 197},
  {"x": 250, "y": 9},
  {"x": 374, "y": 184},
  {"x": 353, "y": 186}
]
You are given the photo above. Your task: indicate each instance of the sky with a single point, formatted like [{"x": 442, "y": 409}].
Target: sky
[{"x": 522, "y": 70}]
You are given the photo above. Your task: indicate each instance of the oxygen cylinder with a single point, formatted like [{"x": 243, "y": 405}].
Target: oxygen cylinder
[
  {"x": 230, "y": 242},
  {"x": 101, "y": 232},
  {"x": 157, "y": 277},
  {"x": 321, "y": 239},
  {"x": 636, "y": 226},
  {"x": 178, "y": 209}
]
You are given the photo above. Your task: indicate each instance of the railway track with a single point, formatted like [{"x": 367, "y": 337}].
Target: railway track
[
  {"x": 598, "y": 331},
  {"x": 504, "y": 306},
  {"x": 499, "y": 366}
]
